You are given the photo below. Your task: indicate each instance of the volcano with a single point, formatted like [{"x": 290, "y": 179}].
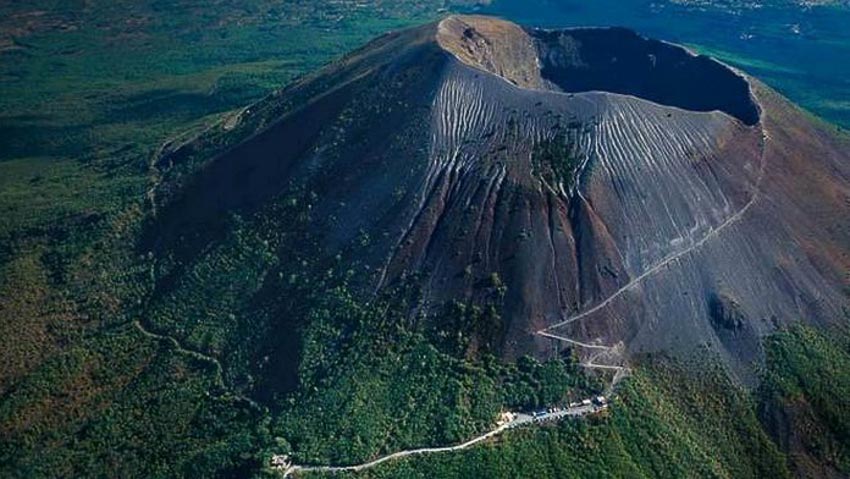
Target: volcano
[{"x": 628, "y": 195}]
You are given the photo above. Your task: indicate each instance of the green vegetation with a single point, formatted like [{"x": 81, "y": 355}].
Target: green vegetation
[
  {"x": 265, "y": 299},
  {"x": 555, "y": 161},
  {"x": 261, "y": 299},
  {"x": 90, "y": 93},
  {"x": 120, "y": 404},
  {"x": 80, "y": 80},
  {"x": 673, "y": 419},
  {"x": 807, "y": 390},
  {"x": 368, "y": 376},
  {"x": 669, "y": 420}
]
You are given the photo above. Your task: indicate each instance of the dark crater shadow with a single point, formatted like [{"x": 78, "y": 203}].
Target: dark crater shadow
[{"x": 618, "y": 60}]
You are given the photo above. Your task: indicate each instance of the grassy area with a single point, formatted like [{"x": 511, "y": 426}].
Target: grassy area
[
  {"x": 90, "y": 91},
  {"x": 556, "y": 160},
  {"x": 115, "y": 400},
  {"x": 283, "y": 317}
]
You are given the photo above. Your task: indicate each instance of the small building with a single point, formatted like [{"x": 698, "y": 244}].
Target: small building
[
  {"x": 600, "y": 400},
  {"x": 281, "y": 461},
  {"x": 505, "y": 418},
  {"x": 586, "y": 402}
]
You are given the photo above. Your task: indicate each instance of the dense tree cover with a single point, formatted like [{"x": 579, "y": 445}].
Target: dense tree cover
[
  {"x": 669, "y": 420},
  {"x": 118, "y": 405},
  {"x": 675, "y": 419},
  {"x": 807, "y": 399},
  {"x": 372, "y": 383},
  {"x": 232, "y": 316}
]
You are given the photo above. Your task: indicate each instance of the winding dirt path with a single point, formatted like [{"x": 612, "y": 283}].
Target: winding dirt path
[
  {"x": 713, "y": 233},
  {"x": 219, "y": 369},
  {"x": 520, "y": 420},
  {"x": 155, "y": 176},
  {"x": 398, "y": 455},
  {"x": 565, "y": 339}
]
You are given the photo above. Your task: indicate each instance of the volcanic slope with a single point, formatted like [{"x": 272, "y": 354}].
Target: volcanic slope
[{"x": 590, "y": 184}]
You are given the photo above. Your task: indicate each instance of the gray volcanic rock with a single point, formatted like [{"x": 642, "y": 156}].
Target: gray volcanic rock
[
  {"x": 624, "y": 190},
  {"x": 725, "y": 312}
]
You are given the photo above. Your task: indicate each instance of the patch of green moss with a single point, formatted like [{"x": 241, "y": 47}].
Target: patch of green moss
[{"x": 555, "y": 161}]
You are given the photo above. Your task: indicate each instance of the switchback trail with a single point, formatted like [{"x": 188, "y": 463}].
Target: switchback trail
[
  {"x": 547, "y": 334},
  {"x": 713, "y": 233}
]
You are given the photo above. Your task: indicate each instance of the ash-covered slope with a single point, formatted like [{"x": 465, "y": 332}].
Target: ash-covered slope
[{"x": 622, "y": 190}]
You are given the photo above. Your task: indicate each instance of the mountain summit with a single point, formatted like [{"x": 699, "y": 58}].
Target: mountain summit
[{"x": 599, "y": 190}]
